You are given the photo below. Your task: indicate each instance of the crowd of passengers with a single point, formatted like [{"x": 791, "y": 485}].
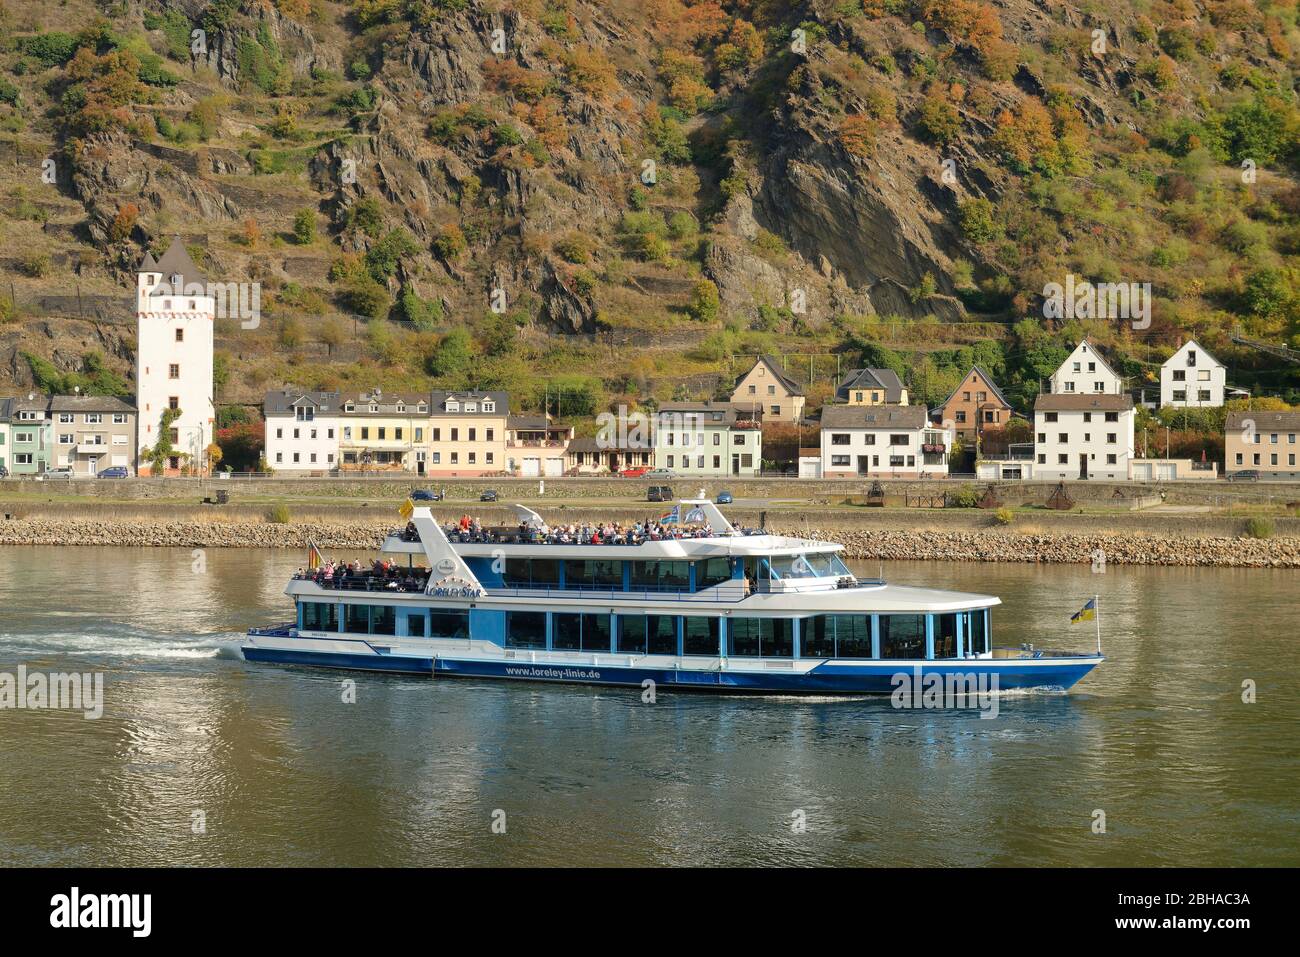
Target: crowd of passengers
[
  {"x": 379, "y": 574},
  {"x": 470, "y": 529}
]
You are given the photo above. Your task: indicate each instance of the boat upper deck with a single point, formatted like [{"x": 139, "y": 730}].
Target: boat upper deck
[{"x": 633, "y": 542}]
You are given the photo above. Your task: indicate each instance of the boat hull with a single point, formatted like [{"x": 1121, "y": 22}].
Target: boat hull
[{"x": 801, "y": 676}]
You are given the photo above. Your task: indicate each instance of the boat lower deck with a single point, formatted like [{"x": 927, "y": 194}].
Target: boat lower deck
[{"x": 478, "y": 659}]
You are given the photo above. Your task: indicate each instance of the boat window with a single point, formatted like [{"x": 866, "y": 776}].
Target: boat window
[
  {"x": 532, "y": 572},
  {"x": 318, "y": 616},
  {"x": 632, "y": 633},
  {"x": 525, "y": 629},
  {"x": 817, "y": 637},
  {"x": 760, "y": 637},
  {"x": 852, "y": 636},
  {"x": 977, "y": 632},
  {"x": 356, "y": 618},
  {"x": 596, "y": 633},
  {"x": 662, "y": 634},
  {"x": 593, "y": 573},
  {"x": 448, "y": 623},
  {"x": 383, "y": 620},
  {"x": 712, "y": 571},
  {"x": 945, "y": 636},
  {"x": 700, "y": 636},
  {"x": 791, "y": 566},
  {"x": 566, "y": 632},
  {"x": 661, "y": 576},
  {"x": 902, "y": 636},
  {"x": 580, "y": 632},
  {"x": 822, "y": 564}
]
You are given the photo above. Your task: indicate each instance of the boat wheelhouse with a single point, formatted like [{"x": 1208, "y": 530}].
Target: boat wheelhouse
[{"x": 697, "y": 604}]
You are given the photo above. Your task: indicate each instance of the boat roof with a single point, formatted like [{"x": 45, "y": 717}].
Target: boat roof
[{"x": 718, "y": 546}]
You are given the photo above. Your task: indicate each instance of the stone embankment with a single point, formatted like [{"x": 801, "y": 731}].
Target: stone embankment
[{"x": 989, "y": 544}]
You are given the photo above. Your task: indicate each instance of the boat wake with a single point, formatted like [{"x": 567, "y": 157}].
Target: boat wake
[{"x": 119, "y": 641}]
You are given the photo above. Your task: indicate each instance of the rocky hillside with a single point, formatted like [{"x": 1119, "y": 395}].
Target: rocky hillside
[{"x": 613, "y": 199}]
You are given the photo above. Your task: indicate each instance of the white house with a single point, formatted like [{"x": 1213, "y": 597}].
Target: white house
[
  {"x": 1085, "y": 372},
  {"x": 173, "y": 358},
  {"x": 302, "y": 430},
  {"x": 876, "y": 441},
  {"x": 1083, "y": 436},
  {"x": 705, "y": 439},
  {"x": 1192, "y": 378}
]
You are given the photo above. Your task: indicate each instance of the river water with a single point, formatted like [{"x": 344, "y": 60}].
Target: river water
[{"x": 200, "y": 758}]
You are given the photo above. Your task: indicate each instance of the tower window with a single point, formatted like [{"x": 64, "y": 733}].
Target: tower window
[
  {"x": 173, "y": 371},
  {"x": 180, "y": 335}
]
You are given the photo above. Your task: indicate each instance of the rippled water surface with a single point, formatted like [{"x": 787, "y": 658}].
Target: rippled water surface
[{"x": 1158, "y": 738}]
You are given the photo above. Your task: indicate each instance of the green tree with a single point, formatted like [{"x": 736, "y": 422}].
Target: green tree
[
  {"x": 304, "y": 227},
  {"x": 452, "y": 355}
]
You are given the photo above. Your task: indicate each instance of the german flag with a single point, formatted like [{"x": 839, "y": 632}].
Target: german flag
[
  {"x": 1087, "y": 613},
  {"x": 314, "y": 558}
]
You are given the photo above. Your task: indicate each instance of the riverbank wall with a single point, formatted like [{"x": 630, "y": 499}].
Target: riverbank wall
[{"x": 1045, "y": 536}]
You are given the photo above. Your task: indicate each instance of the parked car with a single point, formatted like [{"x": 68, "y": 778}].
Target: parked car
[
  {"x": 489, "y": 495},
  {"x": 60, "y": 474},
  {"x": 1244, "y": 475},
  {"x": 724, "y": 498},
  {"x": 633, "y": 473},
  {"x": 660, "y": 493},
  {"x": 115, "y": 471},
  {"x": 4, "y": 472},
  {"x": 661, "y": 473},
  {"x": 426, "y": 495}
]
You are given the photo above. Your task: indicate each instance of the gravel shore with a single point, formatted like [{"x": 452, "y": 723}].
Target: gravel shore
[{"x": 982, "y": 545}]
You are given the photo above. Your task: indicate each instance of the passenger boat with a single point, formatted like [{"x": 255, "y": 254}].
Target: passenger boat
[{"x": 717, "y": 609}]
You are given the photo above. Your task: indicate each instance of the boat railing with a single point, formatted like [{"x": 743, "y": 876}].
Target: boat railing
[
  {"x": 1029, "y": 651},
  {"x": 282, "y": 630},
  {"x": 727, "y": 592},
  {"x": 406, "y": 584}
]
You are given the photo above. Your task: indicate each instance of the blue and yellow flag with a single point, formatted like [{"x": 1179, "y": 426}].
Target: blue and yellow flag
[{"x": 1087, "y": 613}]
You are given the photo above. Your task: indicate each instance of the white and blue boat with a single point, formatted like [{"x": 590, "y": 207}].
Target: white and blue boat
[{"x": 719, "y": 609}]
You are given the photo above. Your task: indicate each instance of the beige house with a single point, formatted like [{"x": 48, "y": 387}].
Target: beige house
[
  {"x": 1264, "y": 442},
  {"x": 871, "y": 387},
  {"x": 383, "y": 432},
  {"x": 467, "y": 433},
  {"x": 767, "y": 389},
  {"x": 536, "y": 446},
  {"x": 91, "y": 433}
]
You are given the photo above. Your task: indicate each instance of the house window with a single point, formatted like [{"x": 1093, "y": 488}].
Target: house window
[
  {"x": 840, "y": 438},
  {"x": 1049, "y": 416},
  {"x": 1112, "y": 416},
  {"x": 1180, "y": 375},
  {"x": 180, "y": 335},
  {"x": 173, "y": 402},
  {"x": 65, "y": 417},
  {"x": 94, "y": 418},
  {"x": 961, "y": 416},
  {"x": 173, "y": 371},
  {"x": 119, "y": 418},
  {"x": 1111, "y": 438},
  {"x": 1110, "y": 459}
]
